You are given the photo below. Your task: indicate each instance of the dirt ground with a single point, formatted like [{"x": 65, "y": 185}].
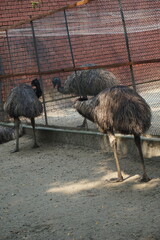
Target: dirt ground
[{"x": 62, "y": 192}]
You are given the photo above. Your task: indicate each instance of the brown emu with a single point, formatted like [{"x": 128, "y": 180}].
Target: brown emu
[
  {"x": 8, "y": 133},
  {"x": 23, "y": 102},
  {"x": 86, "y": 83},
  {"x": 118, "y": 109}
]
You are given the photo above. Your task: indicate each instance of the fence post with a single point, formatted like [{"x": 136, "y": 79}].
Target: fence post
[
  {"x": 1, "y": 98},
  {"x": 39, "y": 69},
  {"x": 71, "y": 51},
  {"x": 127, "y": 44}
]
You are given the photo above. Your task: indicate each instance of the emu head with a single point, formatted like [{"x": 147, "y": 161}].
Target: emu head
[
  {"x": 35, "y": 83},
  {"x": 36, "y": 87},
  {"x": 56, "y": 82}
]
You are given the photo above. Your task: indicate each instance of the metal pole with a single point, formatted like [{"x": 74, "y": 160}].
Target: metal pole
[
  {"x": 11, "y": 61},
  {"x": 38, "y": 65},
  {"x": 9, "y": 50},
  {"x": 1, "y": 94},
  {"x": 127, "y": 44},
  {"x": 71, "y": 50}
]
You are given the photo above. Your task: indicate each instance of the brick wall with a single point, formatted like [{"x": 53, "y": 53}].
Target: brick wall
[
  {"x": 97, "y": 37},
  {"x": 13, "y": 11}
]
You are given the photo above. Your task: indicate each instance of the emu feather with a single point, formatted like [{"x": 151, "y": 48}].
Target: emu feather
[
  {"x": 118, "y": 109},
  {"x": 23, "y": 102}
]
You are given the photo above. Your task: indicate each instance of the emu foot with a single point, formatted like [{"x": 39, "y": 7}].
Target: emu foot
[
  {"x": 15, "y": 150},
  {"x": 145, "y": 178},
  {"x": 83, "y": 126},
  {"x": 35, "y": 145},
  {"x": 116, "y": 180}
]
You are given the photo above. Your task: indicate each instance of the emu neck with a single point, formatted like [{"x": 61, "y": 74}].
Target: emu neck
[
  {"x": 38, "y": 91},
  {"x": 86, "y": 109},
  {"x": 61, "y": 89}
]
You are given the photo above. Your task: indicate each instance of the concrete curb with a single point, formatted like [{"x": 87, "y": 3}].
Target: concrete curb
[{"x": 95, "y": 140}]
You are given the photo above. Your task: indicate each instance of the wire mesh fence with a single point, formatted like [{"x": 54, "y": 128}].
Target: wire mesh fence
[{"x": 118, "y": 36}]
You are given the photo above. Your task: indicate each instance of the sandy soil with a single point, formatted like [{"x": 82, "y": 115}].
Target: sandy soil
[{"x": 62, "y": 192}]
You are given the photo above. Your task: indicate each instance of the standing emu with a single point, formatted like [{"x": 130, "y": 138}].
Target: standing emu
[
  {"x": 23, "y": 102},
  {"x": 118, "y": 109},
  {"x": 86, "y": 83}
]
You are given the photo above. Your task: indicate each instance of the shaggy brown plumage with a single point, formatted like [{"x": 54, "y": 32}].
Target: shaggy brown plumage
[
  {"x": 8, "y": 134},
  {"x": 118, "y": 109},
  {"x": 23, "y": 102},
  {"x": 86, "y": 82}
]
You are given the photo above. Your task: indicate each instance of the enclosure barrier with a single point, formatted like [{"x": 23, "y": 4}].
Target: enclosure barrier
[{"x": 118, "y": 36}]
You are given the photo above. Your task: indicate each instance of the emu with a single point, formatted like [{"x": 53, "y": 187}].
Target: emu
[
  {"x": 86, "y": 83},
  {"x": 118, "y": 109},
  {"x": 8, "y": 133},
  {"x": 23, "y": 102}
]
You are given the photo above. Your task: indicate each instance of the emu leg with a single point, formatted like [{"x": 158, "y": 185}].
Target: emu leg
[
  {"x": 34, "y": 134},
  {"x": 84, "y": 124},
  {"x": 113, "y": 143},
  {"x": 137, "y": 140},
  {"x": 16, "y": 124}
]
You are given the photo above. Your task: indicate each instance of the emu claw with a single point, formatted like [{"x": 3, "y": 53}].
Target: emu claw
[
  {"x": 116, "y": 180},
  {"x": 145, "y": 178},
  {"x": 35, "y": 145},
  {"x": 82, "y": 126},
  {"x": 15, "y": 150}
]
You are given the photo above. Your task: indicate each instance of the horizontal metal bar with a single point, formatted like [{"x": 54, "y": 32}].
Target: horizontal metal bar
[
  {"x": 71, "y": 69},
  {"x": 147, "y": 138},
  {"x": 59, "y": 99},
  {"x": 141, "y": 83}
]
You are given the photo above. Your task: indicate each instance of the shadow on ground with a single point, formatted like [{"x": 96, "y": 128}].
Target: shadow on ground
[{"x": 62, "y": 192}]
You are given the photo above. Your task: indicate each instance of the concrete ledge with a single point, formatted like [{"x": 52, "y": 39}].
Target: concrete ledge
[{"x": 96, "y": 140}]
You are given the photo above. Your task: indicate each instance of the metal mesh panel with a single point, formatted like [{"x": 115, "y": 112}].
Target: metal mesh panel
[
  {"x": 94, "y": 39},
  {"x": 52, "y": 42},
  {"x": 142, "y": 24},
  {"x": 22, "y": 51},
  {"x": 121, "y": 36}
]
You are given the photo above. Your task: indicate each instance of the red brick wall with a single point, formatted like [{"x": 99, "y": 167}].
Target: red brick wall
[
  {"x": 89, "y": 46},
  {"x": 13, "y": 11}
]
